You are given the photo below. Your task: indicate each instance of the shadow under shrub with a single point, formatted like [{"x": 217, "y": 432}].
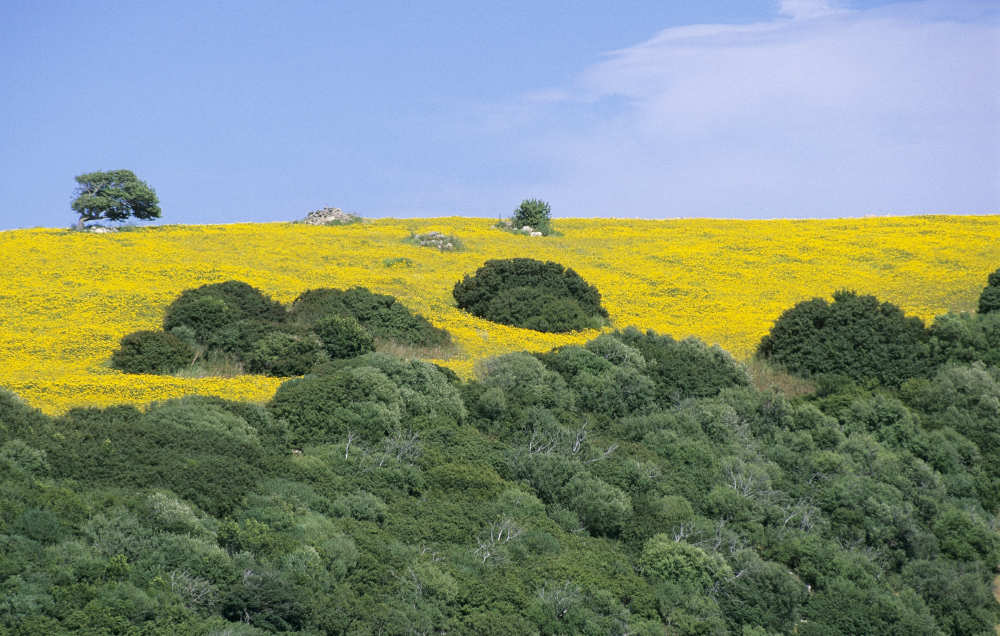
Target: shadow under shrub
[{"x": 523, "y": 292}]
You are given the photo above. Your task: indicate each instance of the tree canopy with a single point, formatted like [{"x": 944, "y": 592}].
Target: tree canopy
[{"x": 114, "y": 195}]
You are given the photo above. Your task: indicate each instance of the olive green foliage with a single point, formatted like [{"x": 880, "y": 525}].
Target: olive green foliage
[
  {"x": 382, "y": 315},
  {"x": 343, "y": 337},
  {"x": 523, "y": 292},
  {"x": 234, "y": 325},
  {"x": 965, "y": 338},
  {"x": 114, "y": 195},
  {"x": 855, "y": 336},
  {"x": 208, "y": 308},
  {"x": 682, "y": 369},
  {"x": 989, "y": 300},
  {"x": 152, "y": 352},
  {"x": 283, "y": 354},
  {"x": 326, "y": 408},
  {"x": 635, "y": 484},
  {"x": 534, "y": 213}
]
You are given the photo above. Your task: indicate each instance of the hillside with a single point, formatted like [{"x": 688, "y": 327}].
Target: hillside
[{"x": 67, "y": 298}]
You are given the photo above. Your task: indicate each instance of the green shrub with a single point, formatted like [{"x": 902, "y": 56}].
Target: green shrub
[
  {"x": 989, "y": 300},
  {"x": 382, "y": 315},
  {"x": 246, "y": 301},
  {"x": 428, "y": 393},
  {"x": 324, "y": 408},
  {"x": 18, "y": 420},
  {"x": 190, "y": 446},
  {"x": 531, "y": 294},
  {"x": 664, "y": 559},
  {"x": 855, "y": 336},
  {"x": 517, "y": 381},
  {"x": 602, "y": 508},
  {"x": 534, "y": 213},
  {"x": 283, "y": 354},
  {"x": 152, "y": 352},
  {"x": 343, "y": 337},
  {"x": 209, "y": 308},
  {"x": 680, "y": 369},
  {"x": 965, "y": 338}
]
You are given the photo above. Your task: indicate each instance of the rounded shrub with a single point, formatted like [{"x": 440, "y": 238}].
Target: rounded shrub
[
  {"x": 343, "y": 337},
  {"x": 209, "y": 308},
  {"x": 534, "y": 213},
  {"x": 854, "y": 336},
  {"x": 284, "y": 354},
  {"x": 664, "y": 559},
  {"x": 428, "y": 393},
  {"x": 324, "y": 408},
  {"x": 532, "y": 294},
  {"x": 380, "y": 314},
  {"x": 679, "y": 368},
  {"x": 603, "y": 508},
  {"x": 152, "y": 352}
]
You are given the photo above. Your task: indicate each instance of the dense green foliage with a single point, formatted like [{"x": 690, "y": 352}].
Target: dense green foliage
[
  {"x": 232, "y": 324},
  {"x": 114, "y": 195},
  {"x": 534, "y": 213},
  {"x": 636, "y": 484},
  {"x": 989, "y": 300},
  {"x": 523, "y": 292},
  {"x": 152, "y": 352},
  {"x": 382, "y": 315},
  {"x": 854, "y": 336}
]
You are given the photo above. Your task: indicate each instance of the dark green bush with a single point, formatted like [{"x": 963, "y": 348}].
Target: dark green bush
[
  {"x": 245, "y": 301},
  {"x": 284, "y": 354},
  {"x": 152, "y": 352},
  {"x": 681, "y": 369},
  {"x": 989, "y": 300},
  {"x": 18, "y": 420},
  {"x": 343, "y": 337},
  {"x": 531, "y": 294},
  {"x": 382, "y": 315},
  {"x": 190, "y": 446},
  {"x": 855, "y": 336}
]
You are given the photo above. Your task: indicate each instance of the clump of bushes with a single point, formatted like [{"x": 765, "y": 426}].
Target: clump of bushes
[
  {"x": 232, "y": 327},
  {"x": 523, "y": 292},
  {"x": 384, "y": 317},
  {"x": 437, "y": 240},
  {"x": 854, "y": 336}
]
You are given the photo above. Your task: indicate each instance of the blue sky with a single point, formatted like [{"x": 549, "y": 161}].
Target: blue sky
[{"x": 263, "y": 111}]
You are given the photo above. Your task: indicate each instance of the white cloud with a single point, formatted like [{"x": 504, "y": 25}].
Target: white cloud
[
  {"x": 891, "y": 110},
  {"x": 805, "y": 9}
]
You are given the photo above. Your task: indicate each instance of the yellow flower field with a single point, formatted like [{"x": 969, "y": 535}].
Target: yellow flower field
[{"x": 66, "y": 298}]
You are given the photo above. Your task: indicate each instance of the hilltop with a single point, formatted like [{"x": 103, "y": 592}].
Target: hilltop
[{"x": 69, "y": 297}]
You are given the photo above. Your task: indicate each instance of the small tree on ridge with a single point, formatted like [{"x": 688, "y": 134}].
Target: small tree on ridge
[{"x": 114, "y": 195}]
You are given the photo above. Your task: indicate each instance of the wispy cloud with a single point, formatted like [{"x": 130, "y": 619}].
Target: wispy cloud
[{"x": 821, "y": 111}]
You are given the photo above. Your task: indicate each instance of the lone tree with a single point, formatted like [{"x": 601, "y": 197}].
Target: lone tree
[
  {"x": 114, "y": 195},
  {"x": 534, "y": 213}
]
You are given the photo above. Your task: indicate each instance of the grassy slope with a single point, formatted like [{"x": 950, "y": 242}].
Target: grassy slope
[{"x": 67, "y": 298}]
